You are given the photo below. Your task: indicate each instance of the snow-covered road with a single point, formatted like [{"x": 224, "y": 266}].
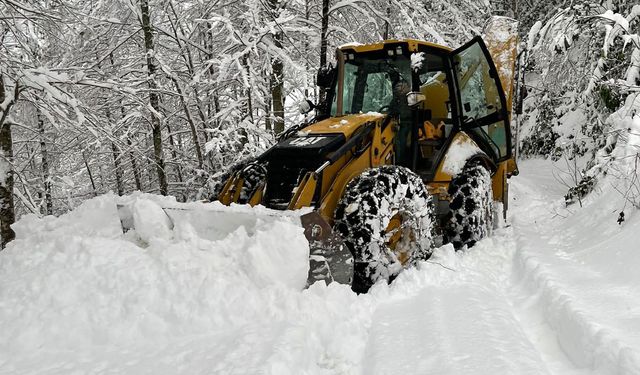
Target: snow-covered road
[{"x": 552, "y": 293}]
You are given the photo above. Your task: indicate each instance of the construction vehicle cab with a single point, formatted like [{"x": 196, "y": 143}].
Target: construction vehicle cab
[
  {"x": 412, "y": 82},
  {"x": 411, "y": 144}
]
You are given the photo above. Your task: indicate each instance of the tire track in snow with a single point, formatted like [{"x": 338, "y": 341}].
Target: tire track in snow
[
  {"x": 460, "y": 322},
  {"x": 589, "y": 345}
]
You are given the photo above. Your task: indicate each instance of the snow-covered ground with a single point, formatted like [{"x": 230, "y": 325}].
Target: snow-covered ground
[{"x": 552, "y": 293}]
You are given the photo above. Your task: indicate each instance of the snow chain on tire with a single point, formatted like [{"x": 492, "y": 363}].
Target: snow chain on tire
[
  {"x": 254, "y": 175},
  {"x": 364, "y": 213},
  {"x": 470, "y": 218}
]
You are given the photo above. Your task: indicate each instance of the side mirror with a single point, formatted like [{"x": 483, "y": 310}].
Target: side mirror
[
  {"x": 326, "y": 76},
  {"x": 306, "y": 106},
  {"x": 414, "y": 98}
]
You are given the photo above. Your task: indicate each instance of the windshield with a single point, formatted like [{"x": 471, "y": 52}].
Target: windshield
[{"x": 374, "y": 85}]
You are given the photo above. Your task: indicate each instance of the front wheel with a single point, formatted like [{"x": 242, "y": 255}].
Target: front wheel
[
  {"x": 470, "y": 216},
  {"x": 386, "y": 219}
]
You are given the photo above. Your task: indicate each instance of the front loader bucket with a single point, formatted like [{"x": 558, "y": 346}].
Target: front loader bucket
[{"x": 329, "y": 258}]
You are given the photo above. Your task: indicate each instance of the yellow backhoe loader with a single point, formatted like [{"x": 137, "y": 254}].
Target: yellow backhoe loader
[{"x": 412, "y": 148}]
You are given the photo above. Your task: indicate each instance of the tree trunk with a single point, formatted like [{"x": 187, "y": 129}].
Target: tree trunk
[
  {"x": 277, "y": 76},
  {"x": 192, "y": 125},
  {"x": 46, "y": 176},
  {"x": 149, "y": 160},
  {"x": 116, "y": 161},
  {"x": 386, "y": 23},
  {"x": 267, "y": 118},
  {"x": 277, "y": 80},
  {"x": 7, "y": 209},
  {"x": 249, "y": 106},
  {"x": 93, "y": 183},
  {"x": 134, "y": 166},
  {"x": 216, "y": 99},
  {"x": 174, "y": 155},
  {"x": 216, "y": 107},
  {"x": 323, "y": 43},
  {"x": 118, "y": 168},
  {"x": 307, "y": 15},
  {"x": 154, "y": 100}
]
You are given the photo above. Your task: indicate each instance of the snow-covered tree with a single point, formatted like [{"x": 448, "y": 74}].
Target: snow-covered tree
[{"x": 583, "y": 94}]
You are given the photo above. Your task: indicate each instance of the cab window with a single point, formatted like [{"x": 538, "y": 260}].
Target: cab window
[{"x": 480, "y": 97}]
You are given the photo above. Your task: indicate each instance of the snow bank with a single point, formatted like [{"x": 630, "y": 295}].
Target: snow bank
[
  {"x": 97, "y": 217},
  {"x": 79, "y": 296},
  {"x": 77, "y": 281}
]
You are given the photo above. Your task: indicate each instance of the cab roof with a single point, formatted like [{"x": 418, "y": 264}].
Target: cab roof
[{"x": 412, "y": 45}]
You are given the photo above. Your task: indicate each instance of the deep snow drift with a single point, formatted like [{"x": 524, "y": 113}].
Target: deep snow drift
[{"x": 553, "y": 293}]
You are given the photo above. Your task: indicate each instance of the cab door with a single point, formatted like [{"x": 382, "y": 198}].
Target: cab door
[{"x": 483, "y": 112}]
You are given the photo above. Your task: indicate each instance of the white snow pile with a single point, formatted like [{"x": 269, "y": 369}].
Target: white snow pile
[{"x": 77, "y": 282}]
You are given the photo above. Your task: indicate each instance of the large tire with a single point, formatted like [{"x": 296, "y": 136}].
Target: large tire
[
  {"x": 385, "y": 218},
  {"x": 254, "y": 176},
  {"x": 253, "y": 173},
  {"x": 470, "y": 216}
]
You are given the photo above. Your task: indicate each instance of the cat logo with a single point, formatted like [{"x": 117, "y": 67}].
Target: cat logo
[{"x": 305, "y": 141}]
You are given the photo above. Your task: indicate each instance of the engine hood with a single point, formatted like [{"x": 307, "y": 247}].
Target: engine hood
[{"x": 345, "y": 125}]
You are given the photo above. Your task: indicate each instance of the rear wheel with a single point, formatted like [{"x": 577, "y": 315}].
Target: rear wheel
[
  {"x": 386, "y": 220},
  {"x": 254, "y": 176},
  {"x": 470, "y": 216},
  {"x": 253, "y": 173}
]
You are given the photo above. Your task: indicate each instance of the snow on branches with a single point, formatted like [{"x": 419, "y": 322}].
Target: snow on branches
[{"x": 586, "y": 60}]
